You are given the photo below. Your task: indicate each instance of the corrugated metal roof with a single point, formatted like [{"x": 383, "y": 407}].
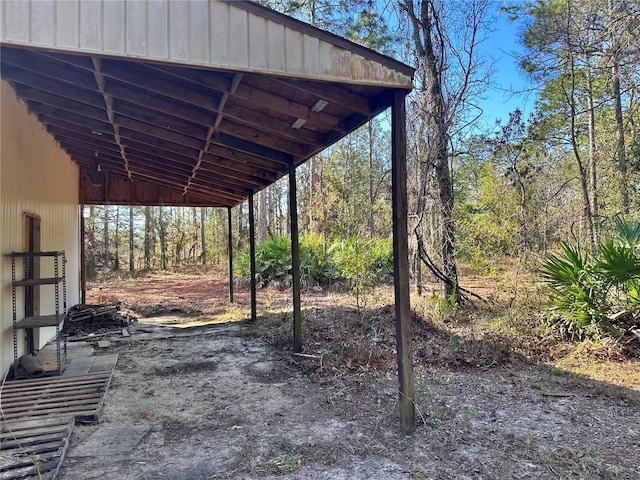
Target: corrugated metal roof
[{"x": 187, "y": 102}]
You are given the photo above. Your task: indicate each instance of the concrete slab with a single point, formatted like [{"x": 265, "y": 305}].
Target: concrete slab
[
  {"x": 110, "y": 359},
  {"x": 111, "y": 440}
]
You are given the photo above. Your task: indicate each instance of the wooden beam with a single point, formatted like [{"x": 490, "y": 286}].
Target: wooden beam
[
  {"x": 239, "y": 108},
  {"x": 295, "y": 261},
  {"x": 264, "y": 139},
  {"x": 230, "y": 252},
  {"x": 48, "y": 66},
  {"x": 252, "y": 259},
  {"x": 158, "y": 132},
  {"x": 161, "y": 120},
  {"x": 62, "y": 103},
  {"x": 242, "y": 111},
  {"x": 144, "y": 192},
  {"x": 212, "y": 128},
  {"x": 151, "y": 80},
  {"x": 218, "y": 81},
  {"x": 246, "y": 159},
  {"x": 143, "y": 142},
  {"x": 56, "y": 87},
  {"x": 83, "y": 141},
  {"x": 330, "y": 92},
  {"x": 55, "y": 116},
  {"x": 241, "y": 169},
  {"x": 401, "y": 262},
  {"x": 158, "y": 103},
  {"x": 230, "y": 141},
  {"x": 76, "y": 61},
  {"x": 288, "y": 107}
]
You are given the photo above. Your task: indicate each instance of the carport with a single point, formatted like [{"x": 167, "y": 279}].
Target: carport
[{"x": 205, "y": 103}]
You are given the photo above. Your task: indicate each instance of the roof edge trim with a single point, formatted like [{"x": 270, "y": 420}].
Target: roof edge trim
[{"x": 266, "y": 12}]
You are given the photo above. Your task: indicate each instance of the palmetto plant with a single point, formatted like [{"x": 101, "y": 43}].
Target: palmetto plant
[{"x": 597, "y": 292}]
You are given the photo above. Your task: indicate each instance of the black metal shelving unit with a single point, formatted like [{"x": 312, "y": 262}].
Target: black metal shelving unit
[{"x": 54, "y": 319}]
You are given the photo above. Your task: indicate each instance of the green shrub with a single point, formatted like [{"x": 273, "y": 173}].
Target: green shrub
[
  {"x": 316, "y": 265},
  {"x": 594, "y": 293},
  {"x": 353, "y": 262},
  {"x": 364, "y": 263},
  {"x": 273, "y": 263}
]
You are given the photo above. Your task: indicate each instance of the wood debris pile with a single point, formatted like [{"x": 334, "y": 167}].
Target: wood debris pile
[{"x": 85, "y": 319}]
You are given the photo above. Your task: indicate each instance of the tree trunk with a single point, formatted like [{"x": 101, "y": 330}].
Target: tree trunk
[
  {"x": 163, "y": 239},
  {"x": 262, "y": 216},
  {"x": 239, "y": 225},
  {"x": 116, "y": 258},
  {"x": 91, "y": 246},
  {"x": 617, "y": 102},
  {"x": 425, "y": 33},
  {"x": 372, "y": 225},
  {"x": 106, "y": 237},
  {"x": 584, "y": 178},
  {"x": 203, "y": 240},
  {"x": 131, "y": 245},
  {"x": 147, "y": 237},
  {"x": 593, "y": 174}
]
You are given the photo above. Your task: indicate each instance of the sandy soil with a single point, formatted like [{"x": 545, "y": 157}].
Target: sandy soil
[{"x": 217, "y": 402}]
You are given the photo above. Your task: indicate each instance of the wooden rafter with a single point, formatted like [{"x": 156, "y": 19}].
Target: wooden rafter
[
  {"x": 108, "y": 101},
  {"x": 199, "y": 132}
]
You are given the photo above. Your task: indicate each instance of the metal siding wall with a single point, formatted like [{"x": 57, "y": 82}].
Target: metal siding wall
[
  {"x": 220, "y": 35},
  {"x": 157, "y": 28},
  {"x": 36, "y": 177},
  {"x": 91, "y": 21},
  {"x": 206, "y": 33},
  {"x": 43, "y": 28},
  {"x": 199, "y": 32},
  {"x": 114, "y": 36},
  {"x": 238, "y": 45},
  {"x": 67, "y": 24}
]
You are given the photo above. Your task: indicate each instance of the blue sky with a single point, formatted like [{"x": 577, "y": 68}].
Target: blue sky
[{"x": 503, "y": 46}]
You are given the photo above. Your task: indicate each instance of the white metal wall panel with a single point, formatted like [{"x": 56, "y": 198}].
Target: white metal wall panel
[
  {"x": 136, "y": 27},
  {"x": 179, "y": 30},
  {"x": 91, "y": 21},
  {"x": 258, "y": 43},
  {"x": 238, "y": 56},
  {"x": 38, "y": 178},
  {"x": 275, "y": 39},
  {"x": 157, "y": 29},
  {"x": 17, "y": 21},
  {"x": 67, "y": 24},
  {"x": 43, "y": 27},
  {"x": 199, "y": 32},
  {"x": 220, "y": 36},
  {"x": 293, "y": 54},
  {"x": 114, "y": 36},
  {"x": 310, "y": 55},
  {"x": 205, "y": 33}
]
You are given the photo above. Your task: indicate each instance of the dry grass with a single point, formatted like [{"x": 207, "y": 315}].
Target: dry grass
[{"x": 503, "y": 330}]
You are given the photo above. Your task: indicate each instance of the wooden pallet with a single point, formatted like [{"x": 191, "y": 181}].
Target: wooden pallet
[
  {"x": 79, "y": 396},
  {"x": 34, "y": 449}
]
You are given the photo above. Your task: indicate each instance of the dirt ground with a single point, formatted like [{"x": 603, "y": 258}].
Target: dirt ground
[{"x": 196, "y": 401}]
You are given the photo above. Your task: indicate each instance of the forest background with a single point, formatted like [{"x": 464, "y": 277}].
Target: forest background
[{"x": 548, "y": 192}]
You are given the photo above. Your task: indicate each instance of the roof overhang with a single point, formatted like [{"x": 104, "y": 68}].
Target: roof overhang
[{"x": 195, "y": 103}]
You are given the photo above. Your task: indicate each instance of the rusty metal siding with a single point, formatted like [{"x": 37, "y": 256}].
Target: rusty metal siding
[
  {"x": 204, "y": 33},
  {"x": 37, "y": 178}
]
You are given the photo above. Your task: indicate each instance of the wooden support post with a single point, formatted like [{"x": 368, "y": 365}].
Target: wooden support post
[
  {"x": 230, "y": 250},
  {"x": 401, "y": 262},
  {"x": 295, "y": 261},
  {"x": 252, "y": 256},
  {"x": 83, "y": 260}
]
